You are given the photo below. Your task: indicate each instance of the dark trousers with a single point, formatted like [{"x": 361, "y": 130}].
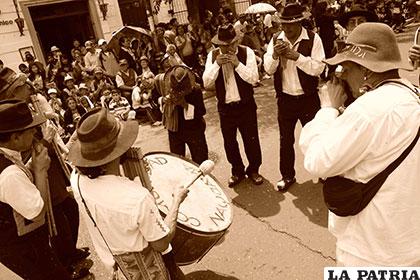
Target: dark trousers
[
  {"x": 290, "y": 110},
  {"x": 194, "y": 138},
  {"x": 34, "y": 259},
  {"x": 66, "y": 215},
  {"x": 242, "y": 117}
]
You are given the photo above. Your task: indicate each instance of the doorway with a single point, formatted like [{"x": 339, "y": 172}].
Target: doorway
[{"x": 58, "y": 24}]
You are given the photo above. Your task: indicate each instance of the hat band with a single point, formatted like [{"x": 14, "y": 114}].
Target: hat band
[{"x": 97, "y": 149}]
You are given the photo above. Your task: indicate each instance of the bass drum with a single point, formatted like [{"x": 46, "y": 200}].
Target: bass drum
[{"x": 204, "y": 216}]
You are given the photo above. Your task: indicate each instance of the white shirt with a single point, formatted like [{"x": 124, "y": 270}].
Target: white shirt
[
  {"x": 248, "y": 73},
  {"x": 311, "y": 65},
  {"x": 18, "y": 191},
  {"x": 371, "y": 133},
  {"x": 91, "y": 60},
  {"x": 124, "y": 211}
]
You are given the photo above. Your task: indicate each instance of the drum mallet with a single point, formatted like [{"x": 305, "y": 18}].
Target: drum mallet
[{"x": 206, "y": 167}]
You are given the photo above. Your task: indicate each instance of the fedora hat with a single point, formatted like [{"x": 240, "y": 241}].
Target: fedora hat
[
  {"x": 9, "y": 80},
  {"x": 101, "y": 138},
  {"x": 179, "y": 78},
  {"x": 15, "y": 116},
  {"x": 372, "y": 45},
  {"x": 293, "y": 13},
  {"x": 225, "y": 36},
  {"x": 355, "y": 11}
]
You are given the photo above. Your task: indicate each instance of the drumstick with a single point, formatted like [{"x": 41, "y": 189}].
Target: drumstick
[{"x": 206, "y": 167}]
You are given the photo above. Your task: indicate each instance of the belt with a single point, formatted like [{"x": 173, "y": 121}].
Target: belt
[
  {"x": 234, "y": 104},
  {"x": 295, "y": 97}
]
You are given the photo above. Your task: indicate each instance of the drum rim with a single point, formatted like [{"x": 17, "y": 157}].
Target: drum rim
[{"x": 211, "y": 176}]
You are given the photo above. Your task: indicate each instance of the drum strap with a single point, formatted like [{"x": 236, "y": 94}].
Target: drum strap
[{"x": 116, "y": 264}]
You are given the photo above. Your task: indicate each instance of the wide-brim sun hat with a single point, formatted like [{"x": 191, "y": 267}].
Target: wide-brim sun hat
[
  {"x": 225, "y": 36},
  {"x": 374, "y": 46},
  {"x": 101, "y": 138},
  {"x": 16, "y": 116}
]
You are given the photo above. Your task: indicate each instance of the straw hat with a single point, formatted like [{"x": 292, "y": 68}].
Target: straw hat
[
  {"x": 372, "y": 45},
  {"x": 15, "y": 115},
  {"x": 101, "y": 138}
]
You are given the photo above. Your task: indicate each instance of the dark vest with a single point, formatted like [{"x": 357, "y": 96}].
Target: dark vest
[
  {"x": 11, "y": 220},
  {"x": 246, "y": 91},
  {"x": 130, "y": 79},
  {"x": 309, "y": 83}
]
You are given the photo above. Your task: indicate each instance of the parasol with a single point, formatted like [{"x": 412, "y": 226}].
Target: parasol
[
  {"x": 260, "y": 8},
  {"x": 127, "y": 31}
]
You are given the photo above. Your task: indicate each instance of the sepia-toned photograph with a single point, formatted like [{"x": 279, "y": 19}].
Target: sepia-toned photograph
[{"x": 209, "y": 139}]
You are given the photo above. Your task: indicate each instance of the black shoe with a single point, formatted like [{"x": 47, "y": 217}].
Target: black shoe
[
  {"x": 81, "y": 269},
  {"x": 285, "y": 183},
  {"x": 256, "y": 178},
  {"x": 80, "y": 254},
  {"x": 234, "y": 180}
]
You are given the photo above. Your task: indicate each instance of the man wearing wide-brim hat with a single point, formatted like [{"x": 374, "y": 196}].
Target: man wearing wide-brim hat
[
  {"x": 362, "y": 141},
  {"x": 24, "y": 243},
  {"x": 294, "y": 57},
  {"x": 125, "y": 213},
  {"x": 232, "y": 70},
  {"x": 183, "y": 113}
]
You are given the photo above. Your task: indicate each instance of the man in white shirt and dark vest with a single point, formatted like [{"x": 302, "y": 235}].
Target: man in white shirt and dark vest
[
  {"x": 295, "y": 57},
  {"x": 232, "y": 70},
  {"x": 24, "y": 244}
]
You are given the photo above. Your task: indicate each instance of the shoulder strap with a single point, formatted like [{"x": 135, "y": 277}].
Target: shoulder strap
[{"x": 100, "y": 233}]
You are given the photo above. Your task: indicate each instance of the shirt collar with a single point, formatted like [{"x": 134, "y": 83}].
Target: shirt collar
[
  {"x": 303, "y": 36},
  {"x": 12, "y": 153}
]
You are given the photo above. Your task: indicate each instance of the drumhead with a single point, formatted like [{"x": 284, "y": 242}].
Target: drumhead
[{"x": 206, "y": 209}]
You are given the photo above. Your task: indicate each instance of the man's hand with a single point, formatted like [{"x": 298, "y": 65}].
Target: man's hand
[
  {"x": 48, "y": 131},
  {"x": 233, "y": 58},
  {"x": 223, "y": 59},
  {"x": 414, "y": 55},
  {"x": 179, "y": 194},
  {"x": 291, "y": 54},
  {"x": 40, "y": 159},
  {"x": 332, "y": 94},
  {"x": 280, "y": 48}
]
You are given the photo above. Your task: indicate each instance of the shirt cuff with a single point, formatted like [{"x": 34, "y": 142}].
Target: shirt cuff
[
  {"x": 327, "y": 114},
  {"x": 189, "y": 112}
]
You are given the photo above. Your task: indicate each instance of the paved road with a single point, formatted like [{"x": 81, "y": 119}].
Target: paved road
[{"x": 273, "y": 235}]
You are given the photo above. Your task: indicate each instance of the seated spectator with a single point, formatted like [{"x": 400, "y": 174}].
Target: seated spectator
[
  {"x": 86, "y": 103},
  {"x": 70, "y": 89},
  {"x": 105, "y": 98},
  {"x": 77, "y": 47},
  {"x": 37, "y": 77},
  {"x": 24, "y": 69},
  {"x": 99, "y": 83},
  {"x": 145, "y": 99},
  {"x": 144, "y": 65},
  {"x": 84, "y": 90},
  {"x": 72, "y": 115},
  {"x": 126, "y": 79},
  {"x": 53, "y": 97},
  {"x": 119, "y": 106}
]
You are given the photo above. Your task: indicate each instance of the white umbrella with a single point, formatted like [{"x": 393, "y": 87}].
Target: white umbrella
[{"x": 260, "y": 8}]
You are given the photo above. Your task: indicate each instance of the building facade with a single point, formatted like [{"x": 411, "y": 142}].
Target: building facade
[{"x": 37, "y": 25}]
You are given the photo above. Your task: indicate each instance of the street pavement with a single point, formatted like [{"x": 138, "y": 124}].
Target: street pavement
[{"x": 273, "y": 235}]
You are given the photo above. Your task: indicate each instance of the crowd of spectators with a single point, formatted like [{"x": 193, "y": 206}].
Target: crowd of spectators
[{"x": 122, "y": 78}]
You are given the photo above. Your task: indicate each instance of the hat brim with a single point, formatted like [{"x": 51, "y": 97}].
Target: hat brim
[
  {"x": 20, "y": 80},
  {"x": 374, "y": 66},
  {"x": 125, "y": 139},
  {"x": 37, "y": 119},
  {"x": 215, "y": 40},
  {"x": 304, "y": 16}
]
